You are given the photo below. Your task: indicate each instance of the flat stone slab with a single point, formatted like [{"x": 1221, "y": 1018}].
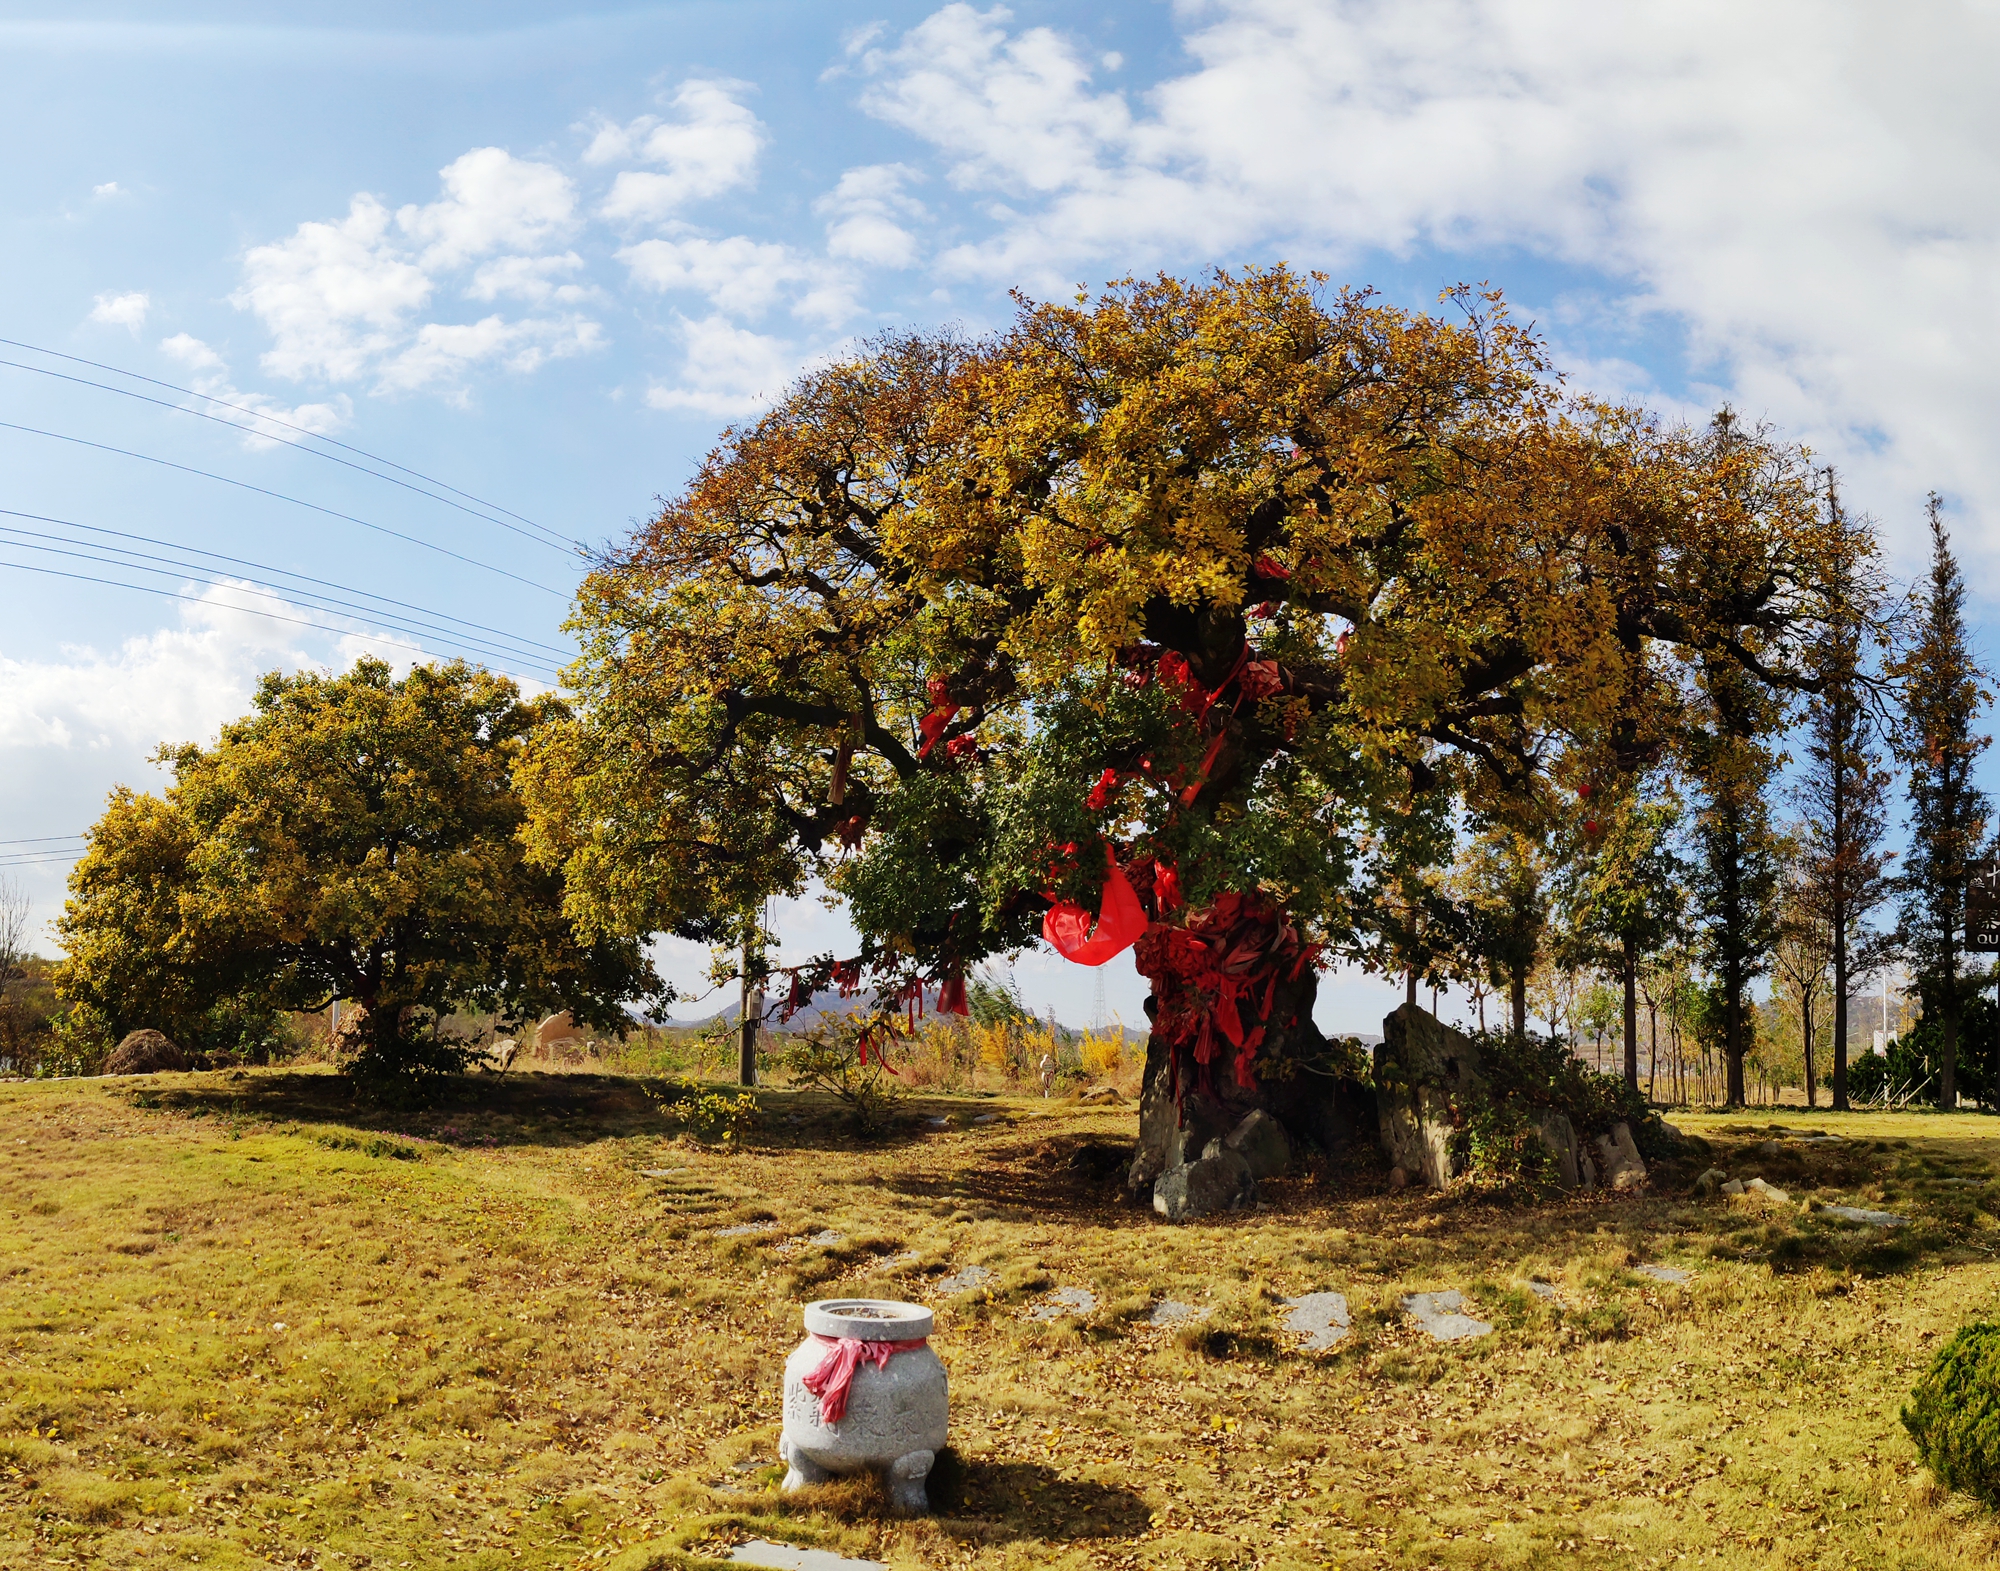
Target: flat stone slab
[
  {"x": 1673, "y": 1274},
  {"x": 1321, "y": 1318},
  {"x": 964, "y": 1281},
  {"x": 744, "y": 1230},
  {"x": 987, "y": 1118},
  {"x": 1872, "y": 1218},
  {"x": 1441, "y": 1314},
  {"x": 825, "y": 1239},
  {"x": 1064, "y": 1302},
  {"x": 661, "y": 1172},
  {"x": 1169, "y": 1312},
  {"x": 789, "y": 1557},
  {"x": 1544, "y": 1290}
]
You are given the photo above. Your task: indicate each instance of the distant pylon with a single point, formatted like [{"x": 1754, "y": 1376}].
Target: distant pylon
[{"x": 1100, "y": 1012}]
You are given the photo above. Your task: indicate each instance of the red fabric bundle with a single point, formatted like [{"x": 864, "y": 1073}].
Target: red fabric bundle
[
  {"x": 830, "y": 1379},
  {"x": 1120, "y": 921},
  {"x": 951, "y": 997},
  {"x": 942, "y": 711}
]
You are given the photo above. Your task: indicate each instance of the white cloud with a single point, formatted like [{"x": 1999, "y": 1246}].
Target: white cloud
[
  {"x": 109, "y": 188},
  {"x": 738, "y": 275},
  {"x": 1013, "y": 111},
  {"x": 342, "y": 300},
  {"x": 863, "y": 214},
  {"x": 334, "y": 296},
  {"x": 209, "y": 373},
  {"x": 531, "y": 278},
  {"x": 728, "y": 370},
  {"x": 493, "y": 201},
  {"x": 176, "y": 685},
  {"x": 710, "y": 148},
  {"x": 86, "y": 720},
  {"x": 127, "y": 310},
  {"x": 444, "y": 351},
  {"x": 1806, "y": 188}
]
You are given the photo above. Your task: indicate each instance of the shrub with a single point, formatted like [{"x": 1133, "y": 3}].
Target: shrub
[
  {"x": 844, "y": 1058},
  {"x": 1954, "y": 1413},
  {"x": 706, "y": 1114}
]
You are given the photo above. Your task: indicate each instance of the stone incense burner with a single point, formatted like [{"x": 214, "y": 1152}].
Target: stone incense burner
[{"x": 865, "y": 1391}]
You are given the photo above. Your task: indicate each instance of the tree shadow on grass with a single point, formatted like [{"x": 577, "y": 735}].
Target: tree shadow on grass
[{"x": 522, "y": 1107}]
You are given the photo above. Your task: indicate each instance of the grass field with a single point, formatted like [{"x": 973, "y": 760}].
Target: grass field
[{"x": 246, "y": 1322}]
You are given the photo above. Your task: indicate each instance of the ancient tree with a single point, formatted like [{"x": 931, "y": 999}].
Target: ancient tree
[{"x": 1189, "y": 617}]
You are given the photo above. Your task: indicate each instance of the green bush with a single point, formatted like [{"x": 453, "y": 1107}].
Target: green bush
[{"x": 1954, "y": 1413}]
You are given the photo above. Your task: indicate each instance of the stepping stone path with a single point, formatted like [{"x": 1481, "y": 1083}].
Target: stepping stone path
[
  {"x": 1321, "y": 1318},
  {"x": 1167, "y": 1312},
  {"x": 743, "y": 1231},
  {"x": 1065, "y": 1301},
  {"x": 661, "y": 1172},
  {"x": 1872, "y": 1218},
  {"x": 789, "y": 1557},
  {"x": 908, "y": 1257},
  {"x": 965, "y": 1281},
  {"x": 987, "y": 1118},
  {"x": 821, "y": 1240},
  {"x": 1441, "y": 1315},
  {"x": 1544, "y": 1290},
  {"x": 937, "y": 1123},
  {"x": 1673, "y": 1274}
]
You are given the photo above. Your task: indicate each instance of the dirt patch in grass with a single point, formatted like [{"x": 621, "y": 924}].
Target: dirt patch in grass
[{"x": 251, "y": 1320}]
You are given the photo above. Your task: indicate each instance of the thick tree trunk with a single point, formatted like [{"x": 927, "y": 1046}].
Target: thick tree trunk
[
  {"x": 1839, "y": 1010},
  {"x": 1517, "y": 982},
  {"x": 1732, "y": 1043},
  {"x": 751, "y": 1007},
  {"x": 1948, "y": 1055},
  {"x": 1319, "y": 1111},
  {"x": 1632, "y": 1013}
]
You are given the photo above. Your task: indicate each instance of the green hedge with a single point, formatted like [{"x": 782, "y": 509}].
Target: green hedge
[{"x": 1954, "y": 1413}]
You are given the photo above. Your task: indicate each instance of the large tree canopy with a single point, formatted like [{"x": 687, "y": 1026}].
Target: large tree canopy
[
  {"x": 354, "y": 837},
  {"x": 1238, "y": 587}
]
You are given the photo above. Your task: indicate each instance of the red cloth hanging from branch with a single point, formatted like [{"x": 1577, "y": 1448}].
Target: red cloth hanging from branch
[{"x": 1120, "y": 921}]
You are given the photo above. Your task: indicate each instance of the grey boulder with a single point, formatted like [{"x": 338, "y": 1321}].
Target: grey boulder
[
  {"x": 1262, "y": 1143},
  {"x": 1220, "y": 1181},
  {"x": 1624, "y": 1168}
]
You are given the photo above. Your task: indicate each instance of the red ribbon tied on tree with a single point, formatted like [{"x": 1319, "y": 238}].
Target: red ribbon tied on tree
[
  {"x": 943, "y": 711},
  {"x": 1120, "y": 921}
]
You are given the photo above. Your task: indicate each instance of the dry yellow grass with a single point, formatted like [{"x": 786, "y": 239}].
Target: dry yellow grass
[{"x": 502, "y": 1345}]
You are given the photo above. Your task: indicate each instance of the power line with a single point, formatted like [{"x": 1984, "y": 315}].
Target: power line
[
  {"x": 544, "y": 536},
  {"x": 32, "y": 840},
  {"x": 528, "y": 646},
  {"x": 171, "y": 594},
  {"x": 206, "y": 474},
  {"x": 112, "y": 556}
]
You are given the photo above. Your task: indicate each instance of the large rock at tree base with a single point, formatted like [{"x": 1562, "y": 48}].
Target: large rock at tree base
[
  {"x": 1421, "y": 1068},
  {"x": 1219, "y": 1180},
  {"x": 1624, "y": 1168},
  {"x": 1262, "y": 1143},
  {"x": 145, "y": 1052},
  {"x": 1559, "y": 1135},
  {"x": 1316, "y": 1110}
]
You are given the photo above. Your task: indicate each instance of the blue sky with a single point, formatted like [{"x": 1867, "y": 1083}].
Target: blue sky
[{"x": 544, "y": 253}]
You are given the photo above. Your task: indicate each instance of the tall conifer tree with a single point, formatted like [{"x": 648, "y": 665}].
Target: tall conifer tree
[
  {"x": 1736, "y": 860},
  {"x": 1942, "y": 699},
  {"x": 1842, "y": 868}
]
